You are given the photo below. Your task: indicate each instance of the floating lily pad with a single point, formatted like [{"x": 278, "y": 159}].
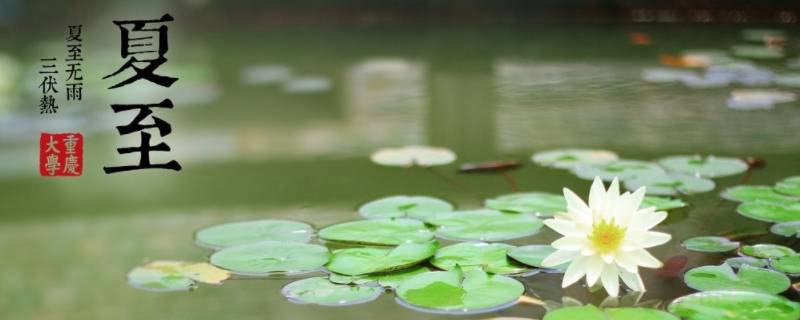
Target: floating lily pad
[
  {"x": 622, "y": 169},
  {"x": 422, "y": 156},
  {"x": 232, "y": 234},
  {"x": 320, "y": 291},
  {"x": 357, "y": 261},
  {"x": 722, "y": 277},
  {"x": 454, "y": 292},
  {"x": 270, "y": 257},
  {"x": 707, "y": 167},
  {"x": 786, "y": 229},
  {"x": 787, "y": 264},
  {"x": 751, "y": 193},
  {"x": 761, "y": 35},
  {"x": 750, "y": 99},
  {"x": 540, "y": 203},
  {"x": 789, "y": 186},
  {"x": 757, "y": 52},
  {"x": 710, "y": 244},
  {"x": 734, "y": 305},
  {"x": 669, "y": 184},
  {"x": 417, "y": 207},
  {"x": 788, "y": 80},
  {"x": 662, "y": 203},
  {"x": 378, "y": 232},
  {"x": 738, "y": 262},
  {"x": 533, "y": 255},
  {"x": 387, "y": 280},
  {"x": 491, "y": 257},
  {"x": 770, "y": 212},
  {"x": 159, "y": 279},
  {"x": 484, "y": 225},
  {"x": 766, "y": 251},
  {"x": 569, "y": 158},
  {"x": 590, "y": 312}
]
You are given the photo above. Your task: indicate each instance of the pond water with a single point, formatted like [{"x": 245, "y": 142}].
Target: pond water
[{"x": 254, "y": 146}]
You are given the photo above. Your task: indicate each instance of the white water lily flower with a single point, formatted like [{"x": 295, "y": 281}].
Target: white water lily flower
[{"x": 606, "y": 239}]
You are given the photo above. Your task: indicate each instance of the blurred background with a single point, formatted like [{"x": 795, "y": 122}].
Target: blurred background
[{"x": 279, "y": 104}]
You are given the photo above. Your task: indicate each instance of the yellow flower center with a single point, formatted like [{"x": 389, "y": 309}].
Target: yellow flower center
[{"x": 606, "y": 236}]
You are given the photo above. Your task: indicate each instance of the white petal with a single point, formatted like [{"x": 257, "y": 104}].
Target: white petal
[
  {"x": 564, "y": 227},
  {"x": 610, "y": 279},
  {"x": 626, "y": 261},
  {"x": 645, "y": 259},
  {"x": 646, "y": 219},
  {"x": 632, "y": 280},
  {"x": 574, "y": 272},
  {"x": 608, "y": 257},
  {"x": 611, "y": 202},
  {"x": 630, "y": 206},
  {"x": 597, "y": 194},
  {"x": 652, "y": 239},
  {"x": 594, "y": 266},
  {"x": 574, "y": 243},
  {"x": 575, "y": 205},
  {"x": 559, "y": 257}
]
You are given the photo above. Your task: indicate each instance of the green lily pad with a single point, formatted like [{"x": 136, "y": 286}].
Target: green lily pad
[
  {"x": 357, "y": 261},
  {"x": 417, "y": 207},
  {"x": 662, "y": 203},
  {"x": 388, "y": 232},
  {"x": 787, "y": 264},
  {"x": 760, "y": 35},
  {"x": 789, "y": 186},
  {"x": 533, "y": 255},
  {"x": 590, "y": 312},
  {"x": 454, "y": 292},
  {"x": 734, "y": 305},
  {"x": 236, "y": 233},
  {"x": 320, "y": 291},
  {"x": 786, "y": 229},
  {"x": 770, "y": 212},
  {"x": 491, "y": 257},
  {"x": 766, "y": 251},
  {"x": 757, "y": 52},
  {"x": 387, "y": 280},
  {"x": 408, "y": 156},
  {"x": 569, "y": 158},
  {"x": 707, "y": 167},
  {"x": 788, "y": 80},
  {"x": 271, "y": 257},
  {"x": 540, "y": 203},
  {"x": 622, "y": 169},
  {"x": 722, "y": 277},
  {"x": 175, "y": 275},
  {"x": 484, "y": 225},
  {"x": 669, "y": 184},
  {"x": 710, "y": 244},
  {"x": 751, "y": 193},
  {"x": 738, "y": 262}
]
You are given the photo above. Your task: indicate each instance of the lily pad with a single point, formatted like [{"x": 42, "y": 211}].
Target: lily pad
[
  {"x": 722, "y": 277},
  {"x": 788, "y": 80},
  {"x": 662, "y": 203},
  {"x": 540, "y": 203},
  {"x": 232, "y": 234},
  {"x": 408, "y": 156},
  {"x": 388, "y": 232},
  {"x": 761, "y": 35},
  {"x": 786, "y": 229},
  {"x": 175, "y": 275},
  {"x": 357, "y": 261},
  {"x": 569, "y": 158},
  {"x": 787, "y": 264},
  {"x": 707, "y": 167},
  {"x": 770, "y": 212},
  {"x": 320, "y": 291},
  {"x": 752, "y": 193},
  {"x": 271, "y": 257},
  {"x": 417, "y": 207},
  {"x": 670, "y": 184},
  {"x": 622, "y": 169},
  {"x": 766, "y": 251},
  {"x": 533, "y": 255},
  {"x": 491, "y": 257},
  {"x": 734, "y": 305},
  {"x": 789, "y": 186},
  {"x": 710, "y": 244},
  {"x": 387, "y": 280},
  {"x": 757, "y": 52},
  {"x": 454, "y": 292},
  {"x": 590, "y": 312},
  {"x": 738, "y": 262},
  {"x": 484, "y": 225}
]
